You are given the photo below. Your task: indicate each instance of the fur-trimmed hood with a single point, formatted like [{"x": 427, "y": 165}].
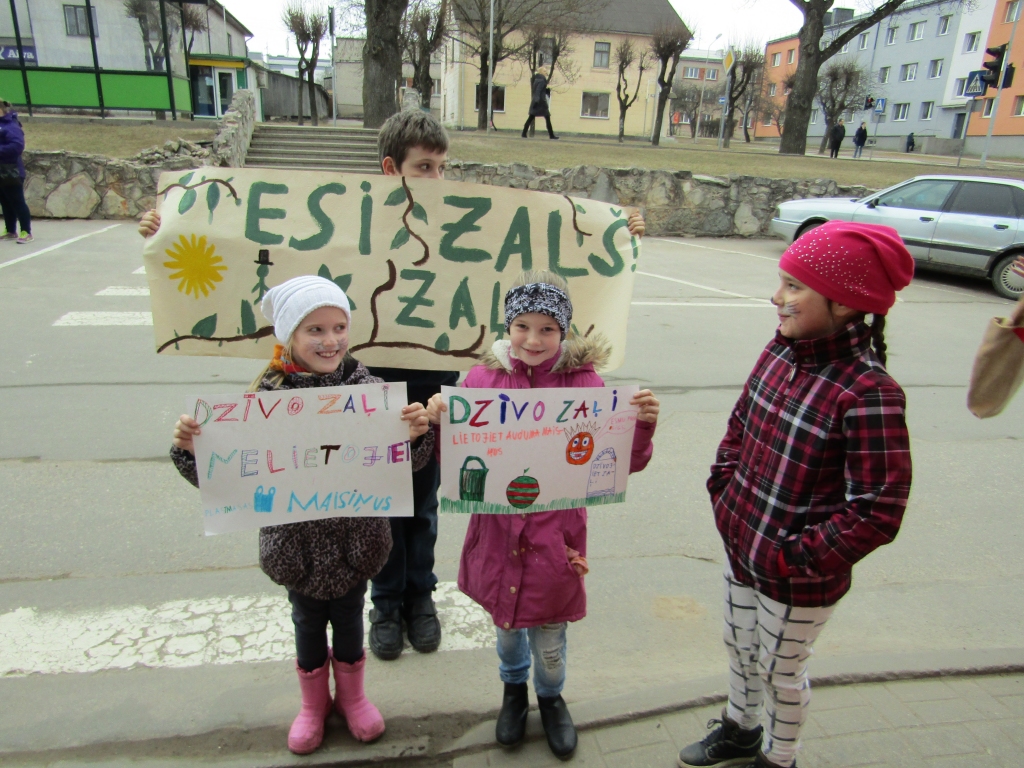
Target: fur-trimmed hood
[{"x": 576, "y": 352}]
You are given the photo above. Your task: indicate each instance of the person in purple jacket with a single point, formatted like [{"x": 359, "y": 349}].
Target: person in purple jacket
[
  {"x": 527, "y": 570},
  {"x": 12, "y": 176}
]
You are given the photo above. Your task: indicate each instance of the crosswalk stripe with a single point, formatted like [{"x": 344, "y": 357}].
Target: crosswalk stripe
[
  {"x": 139, "y": 271},
  {"x": 190, "y": 633},
  {"x": 105, "y": 318},
  {"x": 123, "y": 290}
]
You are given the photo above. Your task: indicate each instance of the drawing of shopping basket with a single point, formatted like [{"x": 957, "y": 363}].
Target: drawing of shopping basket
[{"x": 471, "y": 480}]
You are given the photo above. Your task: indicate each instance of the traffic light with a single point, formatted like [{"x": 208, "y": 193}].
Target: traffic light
[
  {"x": 995, "y": 66},
  {"x": 1008, "y": 76},
  {"x": 868, "y": 103}
]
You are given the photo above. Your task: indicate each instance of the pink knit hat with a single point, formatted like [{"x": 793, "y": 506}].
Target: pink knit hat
[{"x": 859, "y": 265}]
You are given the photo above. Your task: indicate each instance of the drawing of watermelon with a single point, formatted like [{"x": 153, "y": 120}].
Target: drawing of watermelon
[{"x": 523, "y": 491}]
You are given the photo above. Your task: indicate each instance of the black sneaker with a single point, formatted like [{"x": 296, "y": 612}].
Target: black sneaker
[
  {"x": 726, "y": 745},
  {"x": 386, "y": 634},
  {"x": 423, "y": 625}
]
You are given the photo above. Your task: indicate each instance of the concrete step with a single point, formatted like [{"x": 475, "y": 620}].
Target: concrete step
[
  {"x": 325, "y": 137},
  {"x": 318, "y": 164},
  {"x": 340, "y": 132},
  {"x": 268, "y": 141},
  {"x": 341, "y": 152}
]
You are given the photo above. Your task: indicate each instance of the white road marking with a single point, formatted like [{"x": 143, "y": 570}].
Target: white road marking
[
  {"x": 703, "y": 287},
  {"x": 139, "y": 271},
  {"x": 54, "y": 247},
  {"x": 105, "y": 318},
  {"x": 123, "y": 290},
  {"x": 190, "y": 633},
  {"x": 696, "y": 304}
]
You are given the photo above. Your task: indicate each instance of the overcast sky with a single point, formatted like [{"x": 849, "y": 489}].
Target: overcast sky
[{"x": 736, "y": 20}]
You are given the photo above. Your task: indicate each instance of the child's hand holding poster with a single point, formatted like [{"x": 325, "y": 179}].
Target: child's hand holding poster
[
  {"x": 269, "y": 458},
  {"x": 532, "y": 450}
]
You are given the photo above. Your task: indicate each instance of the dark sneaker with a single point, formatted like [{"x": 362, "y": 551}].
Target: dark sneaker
[
  {"x": 726, "y": 745},
  {"x": 511, "y": 726},
  {"x": 558, "y": 726},
  {"x": 423, "y": 626},
  {"x": 386, "y": 634},
  {"x": 763, "y": 762}
]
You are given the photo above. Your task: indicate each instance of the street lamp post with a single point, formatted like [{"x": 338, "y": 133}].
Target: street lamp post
[
  {"x": 703, "y": 82},
  {"x": 490, "y": 69}
]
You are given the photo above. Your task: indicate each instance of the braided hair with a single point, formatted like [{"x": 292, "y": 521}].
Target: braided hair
[{"x": 878, "y": 337}]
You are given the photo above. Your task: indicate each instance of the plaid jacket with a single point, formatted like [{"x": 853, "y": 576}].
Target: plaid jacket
[{"x": 815, "y": 462}]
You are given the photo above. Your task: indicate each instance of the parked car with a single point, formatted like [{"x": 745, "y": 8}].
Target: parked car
[{"x": 965, "y": 225}]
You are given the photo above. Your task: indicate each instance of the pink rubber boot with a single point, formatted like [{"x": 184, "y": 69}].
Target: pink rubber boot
[
  {"x": 364, "y": 719},
  {"x": 307, "y": 731}
]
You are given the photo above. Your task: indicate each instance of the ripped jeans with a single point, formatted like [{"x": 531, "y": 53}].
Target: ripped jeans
[{"x": 547, "y": 642}]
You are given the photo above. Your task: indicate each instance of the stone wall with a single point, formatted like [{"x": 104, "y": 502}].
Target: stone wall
[
  {"x": 675, "y": 202},
  {"x": 79, "y": 186}
]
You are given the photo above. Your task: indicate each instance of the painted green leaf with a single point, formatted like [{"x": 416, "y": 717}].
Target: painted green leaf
[
  {"x": 248, "y": 319},
  {"x": 324, "y": 272},
  {"x": 419, "y": 213},
  {"x": 186, "y": 178},
  {"x": 442, "y": 343},
  {"x": 615, "y": 212},
  {"x": 580, "y": 208},
  {"x": 397, "y": 197},
  {"x": 212, "y": 198},
  {"x": 343, "y": 282},
  {"x": 579, "y": 238},
  {"x": 205, "y": 328},
  {"x": 187, "y": 201},
  {"x": 401, "y": 238},
  {"x": 238, "y": 201}
]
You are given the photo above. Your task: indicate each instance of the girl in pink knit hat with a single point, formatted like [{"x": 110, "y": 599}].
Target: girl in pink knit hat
[{"x": 812, "y": 475}]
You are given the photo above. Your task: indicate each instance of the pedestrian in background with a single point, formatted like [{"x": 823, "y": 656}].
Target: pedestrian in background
[
  {"x": 999, "y": 365},
  {"x": 836, "y": 136},
  {"x": 910, "y": 142},
  {"x": 12, "y": 177},
  {"x": 539, "y": 93},
  {"x": 813, "y": 474},
  {"x": 860, "y": 138}
]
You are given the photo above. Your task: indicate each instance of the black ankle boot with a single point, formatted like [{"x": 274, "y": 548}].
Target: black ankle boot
[
  {"x": 511, "y": 725},
  {"x": 558, "y": 727}
]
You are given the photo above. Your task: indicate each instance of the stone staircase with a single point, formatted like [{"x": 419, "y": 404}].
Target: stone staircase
[{"x": 323, "y": 148}]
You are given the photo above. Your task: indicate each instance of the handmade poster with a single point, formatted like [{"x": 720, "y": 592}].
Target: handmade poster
[
  {"x": 531, "y": 450},
  {"x": 272, "y": 458},
  {"x": 426, "y": 263}
]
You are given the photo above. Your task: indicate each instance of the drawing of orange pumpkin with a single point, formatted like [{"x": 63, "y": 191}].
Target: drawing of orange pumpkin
[{"x": 580, "y": 448}]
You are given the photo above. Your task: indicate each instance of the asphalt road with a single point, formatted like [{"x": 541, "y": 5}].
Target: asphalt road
[{"x": 121, "y": 621}]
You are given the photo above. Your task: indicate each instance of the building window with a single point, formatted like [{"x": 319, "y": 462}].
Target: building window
[
  {"x": 916, "y": 31},
  {"x": 546, "y": 53},
  {"x": 846, "y": 47},
  {"x": 935, "y": 68},
  {"x": 1018, "y": 106},
  {"x": 771, "y": 89},
  {"x": 814, "y": 116},
  {"x": 971, "y": 41},
  {"x": 776, "y": 59},
  {"x": 497, "y": 98},
  {"x": 926, "y": 109},
  {"x": 863, "y": 45},
  {"x": 691, "y": 73},
  {"x": 899, "y": 111},
  {"x": 594, "y": 105},
  {"x": 711, "y": 74},
  {"x": 602, "y": 55},
  {"x": 77, "y": 23},
  {"x": 988, "y": 108},
  {"x": 231, "y": 45},
  {"x": 958, "y": 86},
  {"x": 890, "y": 35},
  {"x": 944, "y": 24},
  {"x": 883, "y": 75},
  {"x": 767, "y": 121},
  {"x": 908, "y": 73},
  {"x": 1012, "y": 11},
  {"x": 790, "y": 55}
]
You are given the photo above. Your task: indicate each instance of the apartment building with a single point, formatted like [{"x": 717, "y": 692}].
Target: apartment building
[
  {"x": 1008, "y": 131},
  {"x": 781, "y": 57},
  {"x": 701, "y": 68}
]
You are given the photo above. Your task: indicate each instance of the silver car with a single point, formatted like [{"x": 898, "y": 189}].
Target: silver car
[{"x": 966, "y": 225}]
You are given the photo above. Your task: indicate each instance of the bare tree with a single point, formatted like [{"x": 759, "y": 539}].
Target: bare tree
[
  {"x": 842, "y": 85},
  {"x": 686, "y": 100},
  {"x": 749, "y": 63},
  {"x": 424, "y": 27},
  {"x": 551, "y": 46},
  {"x": 382, "y": 54},
  {"x": 195, "y": 21},
  {"x": 625, "y": 57},
  {"x": 147, "y": 14},
  {"x": 814, "y": 53},
  {"x": 774, "y": 96},
  {"x": 308, "y": 24},
  {"x": 667, "y": 45},
  {"x": 512, "y": 21}
]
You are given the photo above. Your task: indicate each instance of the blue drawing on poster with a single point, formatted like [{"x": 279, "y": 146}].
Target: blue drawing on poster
[{"x": 263, "y": 502}]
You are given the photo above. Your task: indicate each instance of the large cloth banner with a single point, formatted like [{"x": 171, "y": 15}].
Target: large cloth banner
[
  {"x": 532, "y": 450},
  {"x": 270, "y": 458},
  {"x": 426, "y": 263}
]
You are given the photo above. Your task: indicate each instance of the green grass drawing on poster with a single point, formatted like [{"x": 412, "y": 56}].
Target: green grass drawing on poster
[{"x": 489, "y": 508}]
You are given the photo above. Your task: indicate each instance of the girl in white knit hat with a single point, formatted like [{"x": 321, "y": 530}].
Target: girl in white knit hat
[{"x": 325, "y": 564}]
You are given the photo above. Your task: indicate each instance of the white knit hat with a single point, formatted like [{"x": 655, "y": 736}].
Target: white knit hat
[{"x": 286, "y": 305}]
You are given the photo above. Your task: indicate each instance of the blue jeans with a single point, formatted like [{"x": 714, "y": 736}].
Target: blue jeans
[
  {"x": 857, "y": 149},
  {"x": 409, "y": 571},
  {"x": 547, "y": 642}
]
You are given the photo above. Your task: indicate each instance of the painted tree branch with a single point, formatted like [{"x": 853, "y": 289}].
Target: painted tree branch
[
  {"x": 187, "y": 187},
  {"x": 469, "y": 351},
  {"x": 405, "y": 220},
  {"x": 267, "y": 330},
  {"x": 575, "y": 225}
]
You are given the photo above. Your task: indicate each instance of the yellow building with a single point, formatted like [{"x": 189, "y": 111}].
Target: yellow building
[{"x": 587, "y": 105}]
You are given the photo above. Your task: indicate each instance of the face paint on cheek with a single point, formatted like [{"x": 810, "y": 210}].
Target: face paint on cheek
[{"x": 791, "y": 307}]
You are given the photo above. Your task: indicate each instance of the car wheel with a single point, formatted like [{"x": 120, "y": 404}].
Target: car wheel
[
  {"x": 1007, "y": 283},
  {"x": 807, "y": 228}
]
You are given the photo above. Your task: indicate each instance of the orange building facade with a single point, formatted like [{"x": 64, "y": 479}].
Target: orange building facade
[
  {"x": 780, "y": 60},
  {"x": 1008, "y": 132}
]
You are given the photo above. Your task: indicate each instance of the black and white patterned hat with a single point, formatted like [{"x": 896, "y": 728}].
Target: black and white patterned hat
[{"x": 542, "y": 298}]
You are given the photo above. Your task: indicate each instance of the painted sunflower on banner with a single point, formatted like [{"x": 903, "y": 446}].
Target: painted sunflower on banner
[{"x": 197, "y": 265}]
